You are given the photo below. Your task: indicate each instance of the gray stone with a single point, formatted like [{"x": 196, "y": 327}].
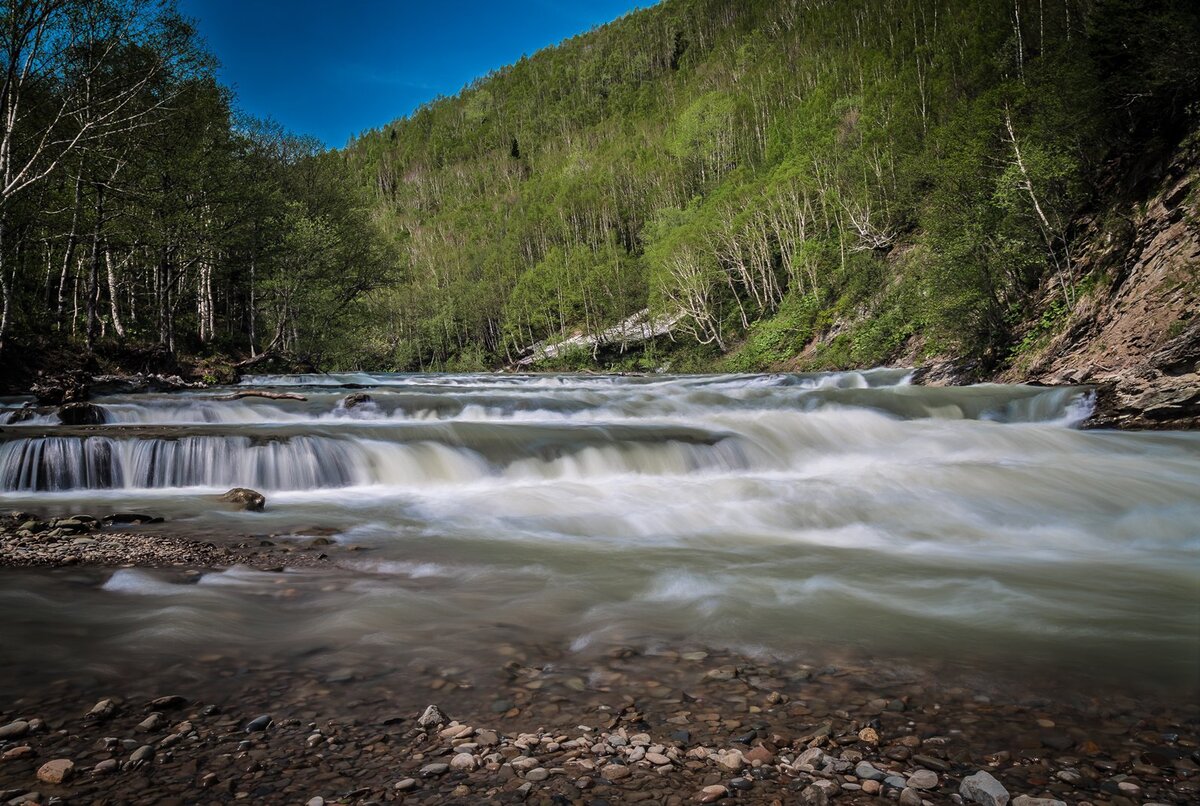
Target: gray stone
[
  {"x": 813, "y": 795},
  {"x": 537, "y": 774},
  {"x": 431, "y": 717},
  {"x": 150, "y": 723},
  {"x": 106, "y": 767},
  {"x": 1026, "y": 800},
  {"x": 922, "y": 779},
  {"x": 463, "y": 761},
  {"x": 868, "y": 772},
  {"x": 910, "y": 797},
  {"x": 405, "y": 784},
  {"x": 430, "y": 770},
  {"x": 259, "y": 723},
  {"x": 14, "y": 730},
  {"x": 984, "y": 789}
]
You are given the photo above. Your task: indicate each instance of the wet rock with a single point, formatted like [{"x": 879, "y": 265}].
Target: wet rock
[
  {"x": 57, "y": 771},
  {"x": 434, "y": 770},
  {"x": 405, "y": 784},
  {"x": 710, "y": 794},
  {"x": 18, "y": 752},
  {"x": 731, "y": 760},
  {"x": 464, "y": 762},
  {"x": 245, "y": 499},
  {"x": 982, "y": 788},
  {"x": 81, "y": 414},
  {"x": 259, "y": 723},
  {"x": 141, "y": 756},
  {"x": 537, "y": 774},
  {"x": 106, "y": 767},
  {"x": 813, "y": 795},
  {"x": 169, "y": 702},
  {"x": 615, "y": 772},
  {"x": 922, "y": 779},
  {"x": 1057, "y": 741},
  {"x": 932, "y": 763},
  {"x": 867, "y": 772},
  {"x": 129, "y": 519},
  {"x": 910, "y": 797},
  {"x": 152, "y": 723},
  {"x": 21, "y": 415},
  {"x": 14, "y": 730},
  {"x": 1026, "y": 800},
  {"x": 356, "y": 399},
  {"x": 431, "y": 717}
]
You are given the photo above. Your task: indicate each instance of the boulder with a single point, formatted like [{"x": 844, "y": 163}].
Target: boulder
[
  {"x": 356, "y": 399},
  {"x": 81, "y": 414},
  {"x": 21, "y": 415},
  {"x": 245, "y": 499}
]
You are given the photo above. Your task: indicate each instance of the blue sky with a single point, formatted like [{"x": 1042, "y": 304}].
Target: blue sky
[{"x": 333, "y": 69}]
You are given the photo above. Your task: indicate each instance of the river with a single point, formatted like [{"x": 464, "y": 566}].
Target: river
[{"x": 755, "y": 513}]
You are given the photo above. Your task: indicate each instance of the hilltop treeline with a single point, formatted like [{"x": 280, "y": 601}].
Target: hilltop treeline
[
  {"x": 772, "y": 169},
  {"x": 135, "y": 208}
]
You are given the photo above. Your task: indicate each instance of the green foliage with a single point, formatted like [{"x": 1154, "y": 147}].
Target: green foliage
[
  {"x": 155, "y": 215},
  {"x": 753, "y": 166}
]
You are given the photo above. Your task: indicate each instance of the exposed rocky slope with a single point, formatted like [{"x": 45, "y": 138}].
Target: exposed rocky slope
[{"x": 1136, "y": 334}]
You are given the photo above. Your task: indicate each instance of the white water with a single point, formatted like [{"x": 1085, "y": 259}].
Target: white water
[{"x": 750, "y": 511}]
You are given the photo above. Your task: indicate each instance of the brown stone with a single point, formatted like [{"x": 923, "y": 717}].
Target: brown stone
[{"x": 56, "y": 771}]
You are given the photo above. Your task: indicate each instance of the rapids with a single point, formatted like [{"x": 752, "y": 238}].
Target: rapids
[{"x": 762, "y": 513}]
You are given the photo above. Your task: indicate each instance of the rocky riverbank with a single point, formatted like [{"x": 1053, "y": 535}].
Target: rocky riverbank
[
  {"x": 83, "y": 540},
  {"x": 546, "y": 726}
]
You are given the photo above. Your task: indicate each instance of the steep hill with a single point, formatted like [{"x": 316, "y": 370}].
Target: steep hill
[{"x": 802, "y": 184}]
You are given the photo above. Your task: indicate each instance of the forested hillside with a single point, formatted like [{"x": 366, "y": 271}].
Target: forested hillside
[
  {"x": 800, "y": 183},
  {"x": 888, "y": 174},
  {"x": 136, "y": 212}
]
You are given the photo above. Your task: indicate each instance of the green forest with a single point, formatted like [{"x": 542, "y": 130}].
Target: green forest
[{"x": 875, "y": 175}]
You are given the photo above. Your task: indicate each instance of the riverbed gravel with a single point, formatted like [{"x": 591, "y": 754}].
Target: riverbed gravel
[{"x": 547, "y": 727}]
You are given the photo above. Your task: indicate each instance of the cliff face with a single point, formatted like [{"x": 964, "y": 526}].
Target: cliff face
[{"x": 1136, "y": 333}]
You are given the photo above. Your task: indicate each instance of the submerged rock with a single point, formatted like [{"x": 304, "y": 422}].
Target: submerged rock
[
  {"x": 56, "y": 771},
  {"x": 129, "y": 519},
  {"x": 245, "y": 499}
]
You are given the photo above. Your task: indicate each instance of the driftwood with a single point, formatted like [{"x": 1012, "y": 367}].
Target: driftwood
[{"x": 257, "y": 393}]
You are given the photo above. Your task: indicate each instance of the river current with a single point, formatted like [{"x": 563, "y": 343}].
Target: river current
[{"x": 760, "y": 513}]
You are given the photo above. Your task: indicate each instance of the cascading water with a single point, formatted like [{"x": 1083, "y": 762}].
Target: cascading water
[{"x": 745, "y": 511}]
